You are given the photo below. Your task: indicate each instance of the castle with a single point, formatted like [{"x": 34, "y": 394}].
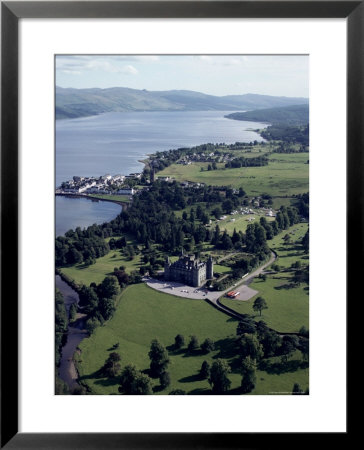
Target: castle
[{"x": 188, "y": 270}]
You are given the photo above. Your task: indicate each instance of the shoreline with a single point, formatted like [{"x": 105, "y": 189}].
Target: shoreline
[{"x": 124, "y": 205}]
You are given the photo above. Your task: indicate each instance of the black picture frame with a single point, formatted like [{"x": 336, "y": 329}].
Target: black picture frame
[{"x": 11, "y": 12}]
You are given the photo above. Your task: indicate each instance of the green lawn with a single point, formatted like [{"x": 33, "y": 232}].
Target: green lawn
[
  {"x": 221, "y": 269},
  {"x": 144, "y": 314},
  {"x": 286, "y": 174},
  {"x": 288, "y": 308},
  {"x": 115, "y": 198},
  {"x": 103, "y": 266}
]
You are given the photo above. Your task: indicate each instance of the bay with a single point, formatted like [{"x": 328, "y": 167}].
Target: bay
[
  {"x": 116, "y": 142},
  {"x": 82, "y": 212}
]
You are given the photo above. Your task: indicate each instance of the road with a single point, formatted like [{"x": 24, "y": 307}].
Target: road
[{"x": 214, "y": 300}]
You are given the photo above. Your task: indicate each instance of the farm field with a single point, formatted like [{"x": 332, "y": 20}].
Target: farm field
[
  {"x": 144, "y": 314},
  {"x": 286, "y": 174},
  {"x": 288, "y": 307}
]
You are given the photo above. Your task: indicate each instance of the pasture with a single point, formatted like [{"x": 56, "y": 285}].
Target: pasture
[{"x": 144, "y": 314}]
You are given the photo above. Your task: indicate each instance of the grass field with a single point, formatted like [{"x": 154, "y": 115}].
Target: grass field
[
  {"x": 286, "y": 174},
  {"x": 288, "y": 308},
  {"x": 144, "y": 314},
  {"x": 103, "y": 266},
  {"x": 241, "y": 221},
  {"x": 115, "y": 198}
]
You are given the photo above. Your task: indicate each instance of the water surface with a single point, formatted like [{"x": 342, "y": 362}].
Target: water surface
[
  {"x": 114, "y": 142},
  {"x": 82, "y": 212}
]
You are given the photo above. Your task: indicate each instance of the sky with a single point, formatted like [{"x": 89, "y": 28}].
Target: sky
[{"x": 280, "y": 75}]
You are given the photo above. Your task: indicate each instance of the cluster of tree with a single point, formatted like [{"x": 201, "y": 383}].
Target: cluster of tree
[
  {"x": 225, "y": 242},
  {"x": 151, "y": 217},
  {"x": 207, "y": 345},
  {"x": 98, "y": 301},
  {"x": 303, "y": 204},
  {"x": 134, "y": 382},
  {"x": 287, "y": 134},
  {"x": 81, "y": 246},
  {"x": 124, "y": 278},
  {"x": 159, "y": 361},
  {"x": 257, "y": 161},
  {"x": 257, "y": 340},
  {"x": 61, "y": 325}
]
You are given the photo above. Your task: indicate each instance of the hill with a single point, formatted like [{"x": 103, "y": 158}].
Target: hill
[
  {"x": 295, "y": 115},
  {"x": 71, "y": 103}
]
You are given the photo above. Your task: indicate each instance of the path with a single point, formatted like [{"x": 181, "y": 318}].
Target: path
[{"x": 214, "y": 300}]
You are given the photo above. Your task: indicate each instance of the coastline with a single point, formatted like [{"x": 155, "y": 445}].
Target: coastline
[{"x": 124, "y": 205}]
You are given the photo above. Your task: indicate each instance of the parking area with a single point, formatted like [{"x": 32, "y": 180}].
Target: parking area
[
  {"x": 245, "y": 293},
  {"x": 183, "y": 290},
  {"x": 178, "y": 289}
]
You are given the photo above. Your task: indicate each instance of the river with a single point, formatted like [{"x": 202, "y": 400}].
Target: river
[{"x": 76, "y": 332}]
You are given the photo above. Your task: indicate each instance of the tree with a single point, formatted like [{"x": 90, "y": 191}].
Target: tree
[
  {"x": 88, "y": 299},
  {"x": 142, "y": 385},
  {"x": 177, "y": 392},
  {"x": 297, "y": 390},
  {"x": 271, "y": 342},
  {"x": 179, "y": 341},
  {"x": 193, "y": 344},
  {"x": 306, "y": 242},
  {"x": 112, "y": 365},
  {"x": 73, "y": 312},
  {"x": 127, "y": 378},
  {"x": 92, "y": 324},
  {"x": 217, "y": 212},
  {"x": 133, "y": 382},
  {"x": 288, "y": 347},
  {"x": 303, "y": 331},
  {"x": 259, "y": 305},
  {"x": 250, "y": 346},
  {"x": 205, "y": 370},
  {"x": 218, "y": 376},
  {"x": 109, "y": 287},
  {"x": 287, "y": 239},
  {"x": 207, "y": 346},
  {"x": 304, "y": 348},
  {"x": 247, "y": 325},
  {"x": 159, "y": 359},
  {"x": 248, "y": 370},
  {"x": 107, "y": 307},
  {"x": 165, "y": 379}
]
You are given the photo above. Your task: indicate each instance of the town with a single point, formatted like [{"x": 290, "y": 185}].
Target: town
[{"x": 106, "y": 184}]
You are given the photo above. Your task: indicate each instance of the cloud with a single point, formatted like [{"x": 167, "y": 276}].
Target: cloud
[
  {"x": 129, "y": 70},
  {"x": 81, "y": 63}
]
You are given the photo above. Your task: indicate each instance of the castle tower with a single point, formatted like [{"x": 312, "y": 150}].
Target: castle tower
[
  {"x": 167, "y": 265},
  {"x": 209, "y": 269}
]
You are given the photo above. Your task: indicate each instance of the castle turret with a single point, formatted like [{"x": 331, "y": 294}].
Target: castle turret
[{"x": 209, "y": 268}]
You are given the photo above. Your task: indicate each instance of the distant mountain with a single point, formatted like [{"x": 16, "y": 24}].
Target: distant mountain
[
  {"x": 290, "y": 115},
  {"x": 71, "y": 103}
]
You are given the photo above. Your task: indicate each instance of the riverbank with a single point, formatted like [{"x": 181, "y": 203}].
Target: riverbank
[{"x": 76, "y": 332}]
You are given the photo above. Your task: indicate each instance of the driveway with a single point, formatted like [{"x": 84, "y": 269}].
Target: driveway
[{"x": 182, "y": 290}]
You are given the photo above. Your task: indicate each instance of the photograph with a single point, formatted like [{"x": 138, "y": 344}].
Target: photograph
[{"x": 181, "y": 224}]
